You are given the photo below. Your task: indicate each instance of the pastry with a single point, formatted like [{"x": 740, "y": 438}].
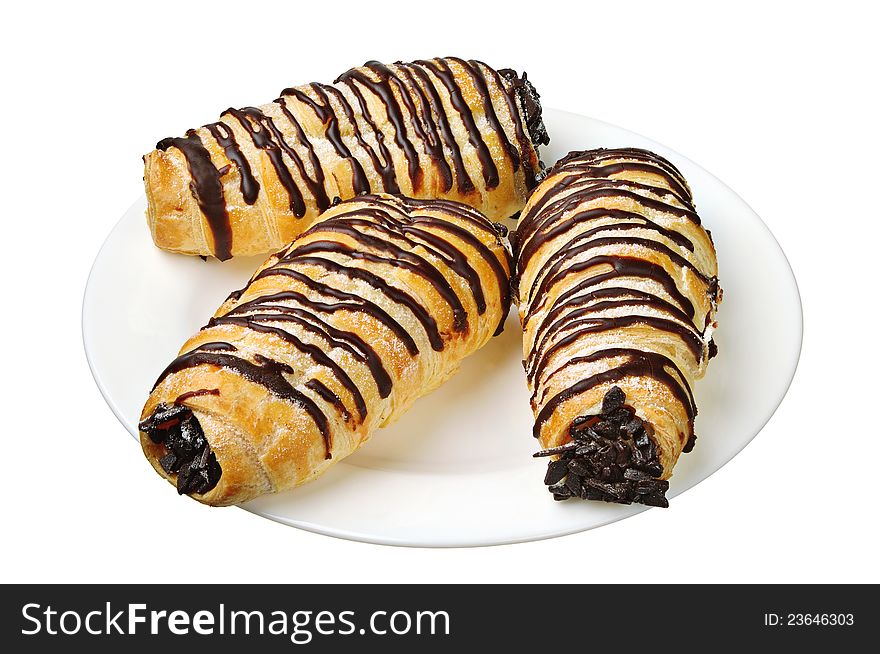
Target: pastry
[
  {"x": 257, "y": 178},
  {"x": 617, "y": 289},
  {"x": 334, "y": 336}
]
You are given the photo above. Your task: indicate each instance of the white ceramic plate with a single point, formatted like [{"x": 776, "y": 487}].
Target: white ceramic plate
[{"x": 457, "y": 470}]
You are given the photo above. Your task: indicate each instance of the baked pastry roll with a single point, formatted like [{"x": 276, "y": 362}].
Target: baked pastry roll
[
  {"x": 617, "y": 290},
  {"x": 334, "y": 336},
  {"x": 257, "y": 178}
]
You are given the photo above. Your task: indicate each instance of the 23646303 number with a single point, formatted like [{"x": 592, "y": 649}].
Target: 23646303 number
[{"x": 809, "y": 619}]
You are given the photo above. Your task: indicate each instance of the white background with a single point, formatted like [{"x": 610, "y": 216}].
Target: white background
[{"x": 777, "y": 99}]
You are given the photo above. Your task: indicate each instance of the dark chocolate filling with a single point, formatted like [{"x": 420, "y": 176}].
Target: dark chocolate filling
[
  {"x": 531, "y": 104},
  {"x": 189, "y": 455},
  {"x": 612, "y": 457}
]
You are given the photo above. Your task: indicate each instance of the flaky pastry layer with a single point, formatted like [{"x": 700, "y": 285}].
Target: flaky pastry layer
[
  {"x": 333, "y": 337},
  {"x": 617, "y": 291},
  {"x": 258, "y": 177}
]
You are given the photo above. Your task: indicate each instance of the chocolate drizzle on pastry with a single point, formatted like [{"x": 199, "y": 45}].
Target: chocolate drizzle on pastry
[
  {"x": 441, "y": 70},
  {"x": 382, "y": 87},
  {"x": 424, "y": 103},
  {"x": 264, "y": 371},
  {"x": 206, "y": 188},
  {"x": 611, "y": 457},
  {"x": 617, "y": 289},
  {"x": 267, "y": 137},
  {"x": 225, "y": 137}
]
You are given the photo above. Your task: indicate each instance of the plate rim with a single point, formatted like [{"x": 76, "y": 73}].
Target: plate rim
[
  {"x": 358, "y": 537},
  {"x": 82, "y": 322}
]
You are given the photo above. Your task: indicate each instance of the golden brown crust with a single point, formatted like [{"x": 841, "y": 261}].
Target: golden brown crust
[
  {"x": 254, "y": 180},
  {"x": 334, "y": 337}
]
